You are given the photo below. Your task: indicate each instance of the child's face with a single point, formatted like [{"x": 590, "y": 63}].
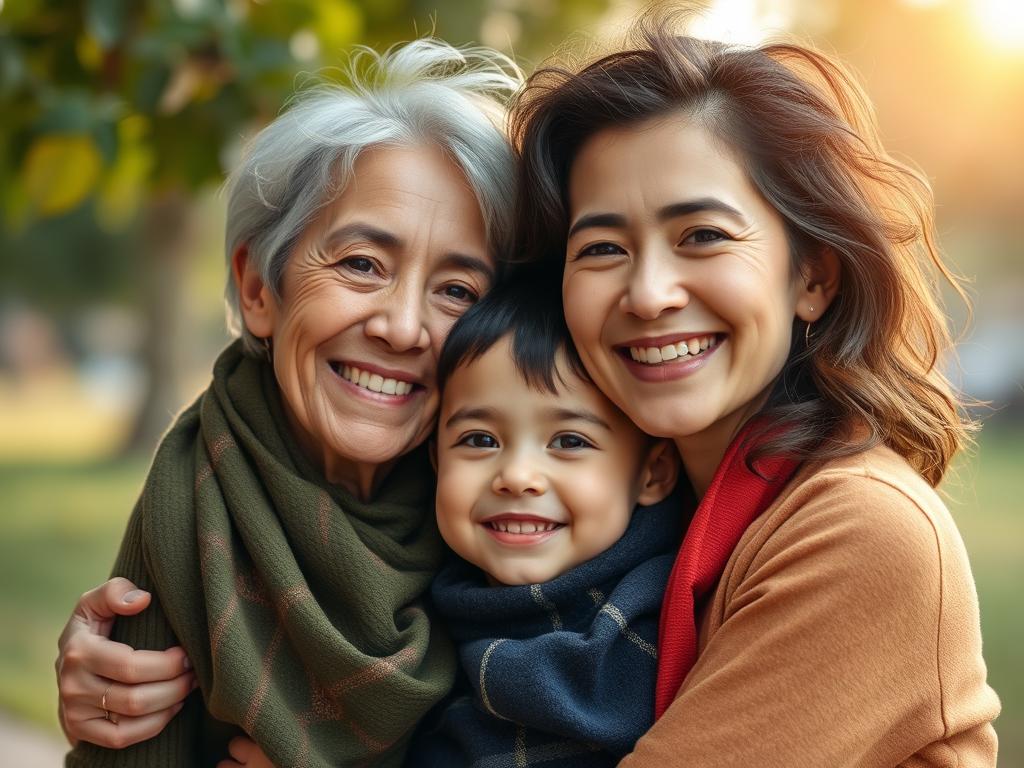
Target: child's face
[{"x": 530, "y": 483}]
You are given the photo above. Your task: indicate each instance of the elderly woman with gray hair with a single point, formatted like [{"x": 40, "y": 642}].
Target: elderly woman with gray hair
[{"x": 284, "y": 537}]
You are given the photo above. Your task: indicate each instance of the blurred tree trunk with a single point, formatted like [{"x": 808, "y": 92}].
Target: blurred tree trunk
[{"x": 167, "y": 244}]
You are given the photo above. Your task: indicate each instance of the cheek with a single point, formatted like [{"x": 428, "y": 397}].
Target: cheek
[
  {"x": 453, "y": 486},
  {"x": 440, "y": 325},
  {"x": 586, "y": 301},
  {"x": 599, "y": 488}
]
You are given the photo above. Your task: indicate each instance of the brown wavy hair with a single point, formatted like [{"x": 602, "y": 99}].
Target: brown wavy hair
[{"x": 806, "y": 133}]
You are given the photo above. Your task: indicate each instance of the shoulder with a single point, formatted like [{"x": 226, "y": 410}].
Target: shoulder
[
  {"x": 869, "y": 539},
  {"x": 872, "y": 504},
  {"x": 844, "y": 630}
]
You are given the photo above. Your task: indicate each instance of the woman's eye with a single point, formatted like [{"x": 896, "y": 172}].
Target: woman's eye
[
  {"x": 570, "y": 442},
  {"x": 460, "y": 293},
  {"x": 478, "y": 440},
  {"x": 700, "y": 236},
  {"x": 357, "y": 264},
  {"x": 601, "y": 249}
]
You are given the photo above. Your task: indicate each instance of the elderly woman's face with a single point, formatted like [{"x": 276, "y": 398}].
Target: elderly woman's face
[{"x": 367, "y": 299}]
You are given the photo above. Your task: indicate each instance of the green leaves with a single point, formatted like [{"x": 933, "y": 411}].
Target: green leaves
[
  {"x": 60, "y": 171},
  {"x": 105, "y": 21}
]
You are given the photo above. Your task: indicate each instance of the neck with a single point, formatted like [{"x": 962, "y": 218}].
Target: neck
[
  {"x": 360, "y": 478},
  {"x": 702, "y": 453}
]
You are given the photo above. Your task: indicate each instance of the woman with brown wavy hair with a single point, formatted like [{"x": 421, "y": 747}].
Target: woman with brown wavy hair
[{"x": 746, "y": 271}]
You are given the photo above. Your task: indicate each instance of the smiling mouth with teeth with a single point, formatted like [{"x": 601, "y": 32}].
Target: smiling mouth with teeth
[
  {"x": 522, "y": 526},
  {"x": 373, "y": 381},
  {"x": 683, "y": 350}
]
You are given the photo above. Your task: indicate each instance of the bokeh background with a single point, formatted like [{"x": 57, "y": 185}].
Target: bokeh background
[{"x": 118, "y": 119}]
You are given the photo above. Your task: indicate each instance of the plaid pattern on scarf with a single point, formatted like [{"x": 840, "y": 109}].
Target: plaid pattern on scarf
[
  {"x": 299, "y": 605},
  {"x": 555, "y": 674}
]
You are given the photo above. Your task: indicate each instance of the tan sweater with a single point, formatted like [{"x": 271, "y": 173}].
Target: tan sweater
[{"x": 844, "y": 632}]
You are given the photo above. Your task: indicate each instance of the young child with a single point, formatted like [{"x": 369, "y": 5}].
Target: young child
[
  {"x": 554, "y": 600},
  {"x": 554, "y": 596}
]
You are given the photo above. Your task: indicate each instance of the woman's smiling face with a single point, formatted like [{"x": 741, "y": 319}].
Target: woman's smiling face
[
  {"x": 679, "y": 287},
  {"x": 368, "y": 296}
]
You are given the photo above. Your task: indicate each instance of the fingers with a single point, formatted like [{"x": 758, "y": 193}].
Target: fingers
[
  {"x": 90, "y": 665},
  {"x": 242, "y": 748},
  {"x": 123, "y": 701},
  {"x": 128, "y": 731},
  {"x": 149, "y": 698},
  {"x": 248, "y": 753},
  {"x": 141, "y": 687},
  {"x": 116, "y": 597},
  {"x": 239, "y": 748},
  {"x": 98, "y": 656}
]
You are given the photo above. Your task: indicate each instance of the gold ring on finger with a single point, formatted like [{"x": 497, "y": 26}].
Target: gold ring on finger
[{"x": 103, "y": 704}]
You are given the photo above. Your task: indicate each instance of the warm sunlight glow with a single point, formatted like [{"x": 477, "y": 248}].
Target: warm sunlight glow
[
  {"x": 745, "y": 22},
  {"x": 1001, "y": 22}
]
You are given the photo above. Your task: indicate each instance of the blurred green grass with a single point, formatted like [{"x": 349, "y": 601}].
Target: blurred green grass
[
  {"x": 62, "y": 523},
  {"x": 61, "y": 526}
]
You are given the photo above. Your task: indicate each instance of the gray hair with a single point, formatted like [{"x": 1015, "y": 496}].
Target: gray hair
[{"x": 422, "y": 91}]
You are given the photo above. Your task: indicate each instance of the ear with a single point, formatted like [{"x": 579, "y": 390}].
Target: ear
[
  {"x": 819, "y": 284},
  {"x": 432, "y": 451},
  {"x": 659, "y": 474},
  {"x": 257, "y": 301}
]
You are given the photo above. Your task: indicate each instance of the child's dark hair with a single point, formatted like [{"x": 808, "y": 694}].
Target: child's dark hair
[{"x": 526, "y": 303}]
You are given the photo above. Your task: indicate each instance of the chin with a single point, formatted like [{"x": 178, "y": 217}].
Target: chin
[
  {"x": 669, "y": 425},
  {"x": 521, "y": 578},
  {"x": 376, "y": 446}
]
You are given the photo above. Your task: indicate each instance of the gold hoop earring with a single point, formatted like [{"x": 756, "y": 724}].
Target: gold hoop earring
[{"x": 807, "y": 328}]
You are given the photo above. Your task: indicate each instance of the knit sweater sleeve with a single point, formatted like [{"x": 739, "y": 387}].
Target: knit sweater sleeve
[
  {"x": 844, "y": 632},
  {"x": 176, "y": 745}
]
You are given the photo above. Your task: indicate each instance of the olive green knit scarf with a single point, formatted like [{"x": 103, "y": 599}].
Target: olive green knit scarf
[{"x": 298, "y": 604}]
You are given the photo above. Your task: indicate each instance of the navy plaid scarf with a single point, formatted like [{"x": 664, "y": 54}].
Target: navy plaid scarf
[{"x": 555, "y": 674}]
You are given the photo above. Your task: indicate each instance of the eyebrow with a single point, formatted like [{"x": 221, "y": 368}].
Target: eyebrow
[
  {"x": 577, "y": 414},
  {"x": 472, "y": 263},
  {"x": 471, "y": 414},
  {"x": 670, "y": 211},
  {"x": 553, "y": 414},
  {"x": 358, "y": 230}
]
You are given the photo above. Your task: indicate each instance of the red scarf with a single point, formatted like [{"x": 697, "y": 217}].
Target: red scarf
[{"x": 735, "y": 498}]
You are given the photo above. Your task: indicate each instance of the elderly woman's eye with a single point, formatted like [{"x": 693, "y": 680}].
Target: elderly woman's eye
[
  {"x": 357, "y": 264},
  {"x": 460, "y": 293},
  {"x": 478, "y": 440}
]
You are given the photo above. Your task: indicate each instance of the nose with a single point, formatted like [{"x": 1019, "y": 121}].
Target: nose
[
  {"x": 655, "y": 286},
  {"x": 519, "y": 476},
  {"x": 400, "y": 320}
]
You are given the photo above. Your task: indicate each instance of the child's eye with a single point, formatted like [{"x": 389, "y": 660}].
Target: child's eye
[
  {"x": 478, "y": 440},
  {"x": 570, "y": 442}
]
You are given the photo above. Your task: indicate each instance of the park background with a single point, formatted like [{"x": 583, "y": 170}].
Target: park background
[{"x": 120, "y": 118}]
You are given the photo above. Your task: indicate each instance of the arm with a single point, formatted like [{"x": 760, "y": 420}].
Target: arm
[
  {"x": 846, "y": 635},
  {"x": 146, "y": 630},
  {"x": 144, "y": 689}
]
